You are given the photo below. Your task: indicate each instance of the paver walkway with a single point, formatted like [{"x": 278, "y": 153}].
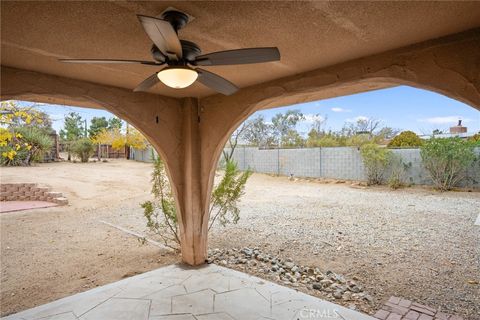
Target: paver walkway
[
  {"x": 402, "y": 309},
  {"x": 7, "y": 206},
  {"x": 177, "y": 292}
]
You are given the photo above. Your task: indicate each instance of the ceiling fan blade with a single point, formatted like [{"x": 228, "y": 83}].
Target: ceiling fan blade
[
  {"x": 239, "y": 56},
  {"x": 147, "y": 83},
  {"x": 216, "y": 82},
  {"x": 163, "y": 36},
  {"x": 107, "y": 61}
]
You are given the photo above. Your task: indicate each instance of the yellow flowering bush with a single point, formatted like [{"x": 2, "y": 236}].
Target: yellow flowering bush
[
  {"x": 118, "y": 140},
  {"x": 22, "y": 137}
]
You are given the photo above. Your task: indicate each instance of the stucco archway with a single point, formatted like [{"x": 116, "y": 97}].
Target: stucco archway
[{"x": 189, "y": 133}]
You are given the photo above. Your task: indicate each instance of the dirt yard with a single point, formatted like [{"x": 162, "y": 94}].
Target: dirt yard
[{"x": 415, "y": 243}]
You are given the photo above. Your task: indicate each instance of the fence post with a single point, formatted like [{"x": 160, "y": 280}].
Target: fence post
[
  {"x": 244, "y": 161},
  {"x": 278, "y": 160},
  {"x": 319, "y": 162}
]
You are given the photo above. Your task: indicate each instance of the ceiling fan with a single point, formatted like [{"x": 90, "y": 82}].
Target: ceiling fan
[{"x": 182, "y": 57}]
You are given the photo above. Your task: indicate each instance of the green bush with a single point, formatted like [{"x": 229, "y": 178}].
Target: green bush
[
  {"x": 161, "y": 213},
  {"x": 376, "y": 161},
  {"x": 446, "y": 160},
  {"x": 398, "y": 173},
  {"x": 406, "y": 139},
  {"x": 83, "y": 149}
]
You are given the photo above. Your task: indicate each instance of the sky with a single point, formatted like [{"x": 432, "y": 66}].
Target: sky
[{"x": 402, "y": 107}]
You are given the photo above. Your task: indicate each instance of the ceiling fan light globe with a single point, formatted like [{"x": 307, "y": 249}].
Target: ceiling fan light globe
[{"x": 177, "y": 78}]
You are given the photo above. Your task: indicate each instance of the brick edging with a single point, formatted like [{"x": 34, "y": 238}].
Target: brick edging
[{"x": 30, "y": 192}]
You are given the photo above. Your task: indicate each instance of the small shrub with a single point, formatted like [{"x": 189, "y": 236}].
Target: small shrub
[
  {"x": 83, "y": 149},
  {"x": 406, "y": 139},
  {"x": 376, "y": 161},
  {"x": 446, "y": 160},
  {"x": 161, "y": 213},
  {"x": 398, "y": 175}
]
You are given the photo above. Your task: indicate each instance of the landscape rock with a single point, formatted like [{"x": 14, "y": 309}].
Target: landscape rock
[{"x": 333, "y": 286}]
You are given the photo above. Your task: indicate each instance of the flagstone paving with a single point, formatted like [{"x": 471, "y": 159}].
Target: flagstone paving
[
  {"x": 402, "y": 309},
  {"x": 179, "y": 292}
]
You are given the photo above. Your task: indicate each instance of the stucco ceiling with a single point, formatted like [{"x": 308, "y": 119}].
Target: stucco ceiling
[{"x": 309, "y": 35}]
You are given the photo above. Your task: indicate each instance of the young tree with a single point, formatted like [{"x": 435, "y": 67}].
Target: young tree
[{"x": 161, "y": 213}]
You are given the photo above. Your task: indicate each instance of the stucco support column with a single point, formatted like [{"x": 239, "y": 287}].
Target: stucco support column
[{"x": 192, "y": 188}]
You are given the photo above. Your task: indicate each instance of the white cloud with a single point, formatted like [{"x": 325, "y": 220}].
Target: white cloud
[
  {"x": 336, "y": 109},
  {"x": 445, "y": 120},
  {"x": 359, "y": 118},
  {"x": 311, "y": 118}
]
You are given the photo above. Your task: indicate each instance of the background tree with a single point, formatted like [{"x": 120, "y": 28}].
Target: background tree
[
  {"x": 72, "y": 130},
  {"x": 233, "y": 140},
  {"x": 115, "y": 123},
  {"x": 258, "y": 133},
  {"x": 285, "y": 123},
  {"x": 97, "y": 124},
  {"x": 292, "y": 139}
]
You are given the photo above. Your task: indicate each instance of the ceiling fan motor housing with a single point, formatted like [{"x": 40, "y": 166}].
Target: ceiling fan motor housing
[
  {"x": 190, "y": 51},
  {"x": 177, "y": 19}
]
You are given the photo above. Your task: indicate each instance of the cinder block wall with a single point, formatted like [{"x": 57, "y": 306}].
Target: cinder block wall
[
  {"x": 29, "y": 192},
  {"x": 343, "y": 163}
]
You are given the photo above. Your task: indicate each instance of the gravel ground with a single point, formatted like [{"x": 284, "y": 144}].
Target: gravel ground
[{"x": 414, "y": 243}]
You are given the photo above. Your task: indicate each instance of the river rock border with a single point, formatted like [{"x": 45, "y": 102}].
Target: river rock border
[{"x": 326, "y": 284}]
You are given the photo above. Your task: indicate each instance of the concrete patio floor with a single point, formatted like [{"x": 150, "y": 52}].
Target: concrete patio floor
[{"x": 179, "y": 292}]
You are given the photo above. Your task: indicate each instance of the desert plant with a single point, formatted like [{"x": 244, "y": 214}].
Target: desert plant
[
  {"x": 161, "y": 213},
  {"x": 398, "y": 172},
  {"x": 83, "y": 148},
  {"x": 38, "y": 140},
  {"x": 406, "y": 139},
  {"x": 446, "y": 160},
  {"x": 376, "y": 161}
]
